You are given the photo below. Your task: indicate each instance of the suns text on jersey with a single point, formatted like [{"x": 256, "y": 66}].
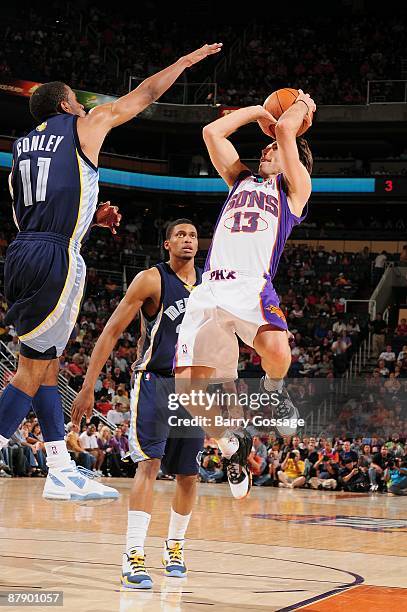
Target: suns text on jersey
[{"x": 254, "y": 199}]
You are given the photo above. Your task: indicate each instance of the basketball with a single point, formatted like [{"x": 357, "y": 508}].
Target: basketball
[{"x": 279, "y": 101}]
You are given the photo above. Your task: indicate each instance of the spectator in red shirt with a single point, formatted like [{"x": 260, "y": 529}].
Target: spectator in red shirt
[
  {"x": 103, "y": 405},
  {"x": 75, "y": 367}
]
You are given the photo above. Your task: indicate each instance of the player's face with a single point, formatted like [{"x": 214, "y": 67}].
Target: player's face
[
  {"x": 270, "y": 160},
  {"x": 72, "y": 106},
  {"x": 183, "y": 242}
]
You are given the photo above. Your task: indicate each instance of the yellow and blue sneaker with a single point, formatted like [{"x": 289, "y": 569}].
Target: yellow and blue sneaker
[
  {"x": 134, "y": 573},
  {"x": 173, "y": 559}
]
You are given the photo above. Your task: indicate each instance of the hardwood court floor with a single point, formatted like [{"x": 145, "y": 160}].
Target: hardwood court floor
[{"x": 278, "y": 550}]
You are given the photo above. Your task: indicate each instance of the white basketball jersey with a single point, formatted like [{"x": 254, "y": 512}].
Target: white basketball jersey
[{"x": 252, "y": 228}]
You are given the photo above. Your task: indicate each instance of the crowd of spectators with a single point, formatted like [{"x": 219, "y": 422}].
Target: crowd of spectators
[
  {"x": 314, "y": 285},
  {"x": 359, "y": 465},
  {"x": 97, "y": 48},
  {"x": 333, "y": 66},
  {"x": 375, "y": 401},
  {"x": 142, "y": 234},
  {"x": 96, "y": 448},
  {"x": 291, "y": 51}
]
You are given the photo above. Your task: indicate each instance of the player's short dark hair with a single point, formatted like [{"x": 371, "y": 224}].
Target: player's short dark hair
[
  {"x": 46, "y": 100},
  {"x": 305, "y": 154},
  {"x": 306, "y": 159},
  {"x": 173, "y": 224}
]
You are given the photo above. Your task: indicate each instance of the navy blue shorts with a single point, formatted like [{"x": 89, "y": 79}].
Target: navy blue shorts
[
  {"x": 44, "y": 279},
  {"x": 151, "y": 436}
]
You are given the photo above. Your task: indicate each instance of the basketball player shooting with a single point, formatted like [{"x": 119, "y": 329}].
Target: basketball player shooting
[
  {"x": 237, "y": 296},
  {"x": 54, "y": 185}
]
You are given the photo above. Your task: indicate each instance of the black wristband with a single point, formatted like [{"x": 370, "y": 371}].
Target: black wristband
[{"x": 303, "y": 102}]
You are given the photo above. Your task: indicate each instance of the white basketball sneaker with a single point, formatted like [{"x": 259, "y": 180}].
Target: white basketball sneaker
[
  {"x": 76, "y": 485},
  {"x": 134, "y": 572},
  {"x": 173, "y": 560}
]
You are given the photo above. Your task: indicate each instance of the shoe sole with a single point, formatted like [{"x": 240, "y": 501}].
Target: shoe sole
[
  {"x": 174, "y": 573},
  {"x": 249, "y": 488},
  {"x": 75, "y": 498},
  {"x": 132, "y": 586}
]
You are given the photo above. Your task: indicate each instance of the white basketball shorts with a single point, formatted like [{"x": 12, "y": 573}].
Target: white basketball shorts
[{"x": 227, "y": 304}]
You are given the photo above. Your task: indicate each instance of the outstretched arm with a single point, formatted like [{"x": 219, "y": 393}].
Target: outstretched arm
[
  {"x": 295, "y": 173},
  {"x": 223, "y": 154},
  {"x": 146, "y": 285},
  {"x": 93, "y": 128}
]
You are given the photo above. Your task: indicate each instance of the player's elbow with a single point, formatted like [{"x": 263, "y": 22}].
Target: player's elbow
[
  {"x": 208, "y": 132},
  {"x": 113, "y": 330}
]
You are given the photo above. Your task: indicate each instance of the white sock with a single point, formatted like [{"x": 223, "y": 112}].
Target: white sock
[
  {"x": 3, "y": 442},
  {"x": 177, "y": 527},
  {"x": 273, "y": 384},
  {"x": 228, "y": 444},
  {"x": 58, "y": 457},
  {"x": 137, "y": 527}
]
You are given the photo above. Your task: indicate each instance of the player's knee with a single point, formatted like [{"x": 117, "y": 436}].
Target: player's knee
[
  {"x": 149, "y": 469},
  {"x": 187, "y": 481},
  {"x": 280, "y": 353},
  {"x": 30, "y": 375},
  {"x": 276, "y": 361}
]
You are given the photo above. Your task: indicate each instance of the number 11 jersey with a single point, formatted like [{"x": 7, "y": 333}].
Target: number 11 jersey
[{"x": 53, "y": 185}]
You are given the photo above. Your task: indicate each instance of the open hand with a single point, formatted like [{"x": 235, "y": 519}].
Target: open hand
[
  {"x": 202, "y": 52},
  {"x": 108, "y": 216},
  {"x": 83, "y": 404}
]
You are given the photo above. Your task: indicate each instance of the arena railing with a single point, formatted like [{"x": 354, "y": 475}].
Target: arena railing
[
  {"x": 387, "y": 92},
  {"x": 7, "y": 355},
  {"x": 68, "y": 396},
  {"x": 8, "y": 366},
  {"x": 359, "y": 359},
  {"x": 318, "y": 419},
  {"x": 229, "y": 57},
  {"x": 194, "y": 94}
]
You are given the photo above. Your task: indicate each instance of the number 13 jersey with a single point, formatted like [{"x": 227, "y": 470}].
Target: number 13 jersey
[
  {"x": 53, "y": 184},
  {"x": 253, "y": 227}
]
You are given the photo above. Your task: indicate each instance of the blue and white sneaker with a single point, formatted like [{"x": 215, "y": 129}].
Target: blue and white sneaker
[
  {"x": 74, "y": 484},
  {"x": 134, "y": 572},
  {"x": 173, "y": 559}
]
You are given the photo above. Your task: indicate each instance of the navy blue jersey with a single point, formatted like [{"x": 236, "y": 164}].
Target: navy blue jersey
[
  {"x": 159, "y": 334},
  {"x": 54, "y": 186}
]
